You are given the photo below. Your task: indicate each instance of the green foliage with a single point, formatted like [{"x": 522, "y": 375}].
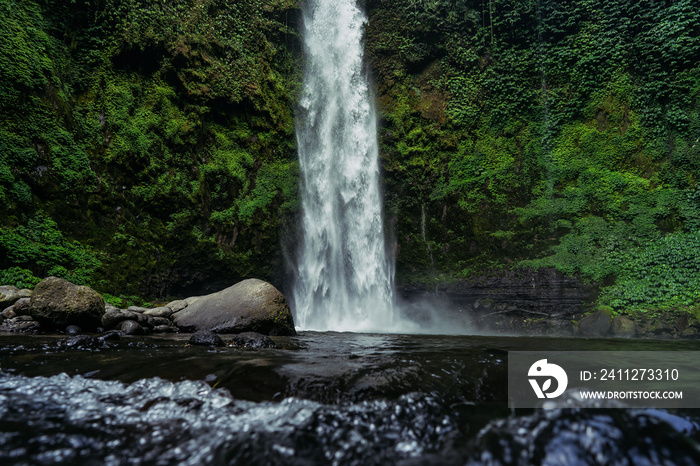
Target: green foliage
[
  {"x": 663, "y": 274},
  {"x": 128, "y": 127},
  {"x": 19, "y": 277},
  {"x": 41, "y": 248},
  {"x": 536, "y": 133}
]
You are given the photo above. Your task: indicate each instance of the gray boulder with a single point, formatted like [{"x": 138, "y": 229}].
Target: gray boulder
[
  {"x": 59, "y": 303},
  {"x": 159, "y": 312},
  {"x": 131, "y": 327},
  {"x": 249, "y": 306},
  {"x": 8, "y": 295},
  {"x": 21, "y": 307},
  {"x": 177, "y": 306}
]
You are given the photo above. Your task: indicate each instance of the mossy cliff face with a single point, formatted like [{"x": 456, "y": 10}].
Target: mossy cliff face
[
  {"x": 543, "y": 134},
  {"x": 146, "y": 147}
]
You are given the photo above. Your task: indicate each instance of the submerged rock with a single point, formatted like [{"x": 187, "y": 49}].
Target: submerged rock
[
  {"x": 81, "y": 341},
  {"x": 252, "y": 340},
  {"x": 164, "y": 329},
  {"x": 249, "y": 306},
  {"x": 205, "y": 338},
  {"x": 58, "y": 303},
  {"x": 109, "y": 335}
]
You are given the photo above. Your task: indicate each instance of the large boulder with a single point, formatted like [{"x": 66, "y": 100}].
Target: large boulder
[
  {"x": 58, "y": 303},
  {"x": 249, "y": 306}
]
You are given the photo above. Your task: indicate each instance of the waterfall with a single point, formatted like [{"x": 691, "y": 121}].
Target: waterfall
[{"x": 344, "y": 278}]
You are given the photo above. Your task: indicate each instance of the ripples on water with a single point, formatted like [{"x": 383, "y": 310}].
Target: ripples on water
[{"x": 437, "y": 415}]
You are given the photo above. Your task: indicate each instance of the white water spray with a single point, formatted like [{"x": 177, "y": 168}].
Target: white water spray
[{"x": 345, "y": 279}]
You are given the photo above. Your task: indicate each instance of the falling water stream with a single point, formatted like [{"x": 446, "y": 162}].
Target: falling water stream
[{"x": 345, "y": 277}]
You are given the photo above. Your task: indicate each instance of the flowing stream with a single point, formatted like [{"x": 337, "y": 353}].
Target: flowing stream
[
  {"x": 319, "y": 398},
  {"x": 345, "y": 277}
]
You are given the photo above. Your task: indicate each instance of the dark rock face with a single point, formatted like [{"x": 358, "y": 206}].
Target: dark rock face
[
  {"x": 596, "y": 324},
  {"x": 58, "y": 303},
  {"x": 623, "y": 327},
  {"x": 526, "y": 301},
  {"x": 205, "y": 338},
  {"x": 252, "y": 340},
  {"x": 249, "y": 306}
]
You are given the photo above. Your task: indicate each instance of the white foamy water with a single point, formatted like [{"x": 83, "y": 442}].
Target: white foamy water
[{"x": 345, "y": 278}]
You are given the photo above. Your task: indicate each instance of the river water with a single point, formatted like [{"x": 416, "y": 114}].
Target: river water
[{"x": 319, "y": 398}]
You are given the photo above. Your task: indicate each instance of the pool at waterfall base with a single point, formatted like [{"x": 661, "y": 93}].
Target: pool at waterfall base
[{"x": 318, "y": 398}]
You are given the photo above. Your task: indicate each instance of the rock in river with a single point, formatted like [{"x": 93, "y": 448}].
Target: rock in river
[
  {"x": 249, "y": 306},
  {"x": 59, "y": 303},
  {"x": 205, "y": 338},
  {"x": 252, "y": 340}
]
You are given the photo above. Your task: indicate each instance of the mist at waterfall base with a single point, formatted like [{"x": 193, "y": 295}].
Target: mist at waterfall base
[{"x": 344, "y": 276}]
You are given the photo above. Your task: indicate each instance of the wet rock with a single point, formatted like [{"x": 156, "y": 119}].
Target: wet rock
[
  {"x": 112, "y": 319},
  {"x": 156, "y": 321},
  {"x": 8, "y": 295},
  {"x": 164, "y": 329},
  {"x": 130, "y": 327},
  {"x": 587, "y": 436},
  {"x": 58, "y": 303},
  {"x": 249, "y": 306},
  {"x": 20, "y": 324},
  {"x": 111, "y": 335},
  {"x": 81, "y": 341},
  {"x": 596, "y": 324},
  {"x": 252, "y": 340},
  {"x": 73, "y": 329},
  {"x": 484, "y": 305},
  {"x": 21, "y": 307},
  {"x": 159, "y": 312},
  {"x": 205, "y": 338},
  {"x": 623, "y": 327},
  {"x": 23, "y": 319}
]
